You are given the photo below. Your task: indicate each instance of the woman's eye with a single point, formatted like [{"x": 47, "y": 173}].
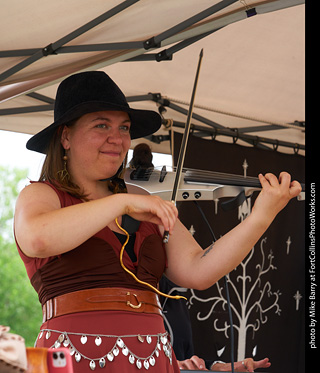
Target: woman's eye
[
  {"x": 101, "y": 125},
  {"x": 125, "y": 128}
]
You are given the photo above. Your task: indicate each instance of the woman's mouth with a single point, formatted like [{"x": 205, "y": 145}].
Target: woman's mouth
[{"x": 111, "y": 153}]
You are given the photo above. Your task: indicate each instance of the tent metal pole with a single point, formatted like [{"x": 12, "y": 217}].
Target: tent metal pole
[
  {"x": 166, "y": 54},
  {"x": 18, "y": 52},
  {"x": 253, "y": 140},
  {"x": 121, "y": 45},
  {"x": 183, "y": 44},
  {"x": 28, "y": 61},
  {"x": 95, "y": 22},
  {"x": 147, "y": 97},
  {"x": 268, "y": 127},
  {"x": 201, "y": 131},
  {"x": 51, "y": 48},
  {"x": 101, "y": 47},
  {"x": 210, "y": 123},
  {"x": 50, "y": 101},
  {"x": 194, "y": 115},
  {"x": 155, "y": 41},
  {"x": 106, "y": 47},
  {"x": 40, "y": 97},
  {"x": 26, "y": 109},
  {"x": 76, "y": 49}
]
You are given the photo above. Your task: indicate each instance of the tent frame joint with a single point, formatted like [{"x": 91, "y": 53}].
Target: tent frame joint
[
  {"x": 251, "y": 12},
  {"x": 48, "y": 50},
  {"x": 151, "y": 43},
  {"x": 163, "y": 56}
]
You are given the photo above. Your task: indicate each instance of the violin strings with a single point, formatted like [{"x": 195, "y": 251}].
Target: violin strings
[
  {"x": 218, "y": 177},
  {"x": 223, "y": 175},
  {"x": 215, "y": 177}
]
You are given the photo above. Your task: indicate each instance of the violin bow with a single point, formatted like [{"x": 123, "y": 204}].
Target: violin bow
[{"x": 184, "y": 142}]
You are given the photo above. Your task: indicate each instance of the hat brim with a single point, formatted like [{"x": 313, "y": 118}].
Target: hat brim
[{"x": 143, "y": 122}]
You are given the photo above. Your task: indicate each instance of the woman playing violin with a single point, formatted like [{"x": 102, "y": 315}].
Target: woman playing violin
[{"x": 70, "y": 227}]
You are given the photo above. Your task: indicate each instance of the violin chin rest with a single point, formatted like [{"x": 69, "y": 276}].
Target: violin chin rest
[{"x": 235, "y": 202}]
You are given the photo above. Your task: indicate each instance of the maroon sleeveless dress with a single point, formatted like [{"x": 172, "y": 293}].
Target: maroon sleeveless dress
[{"x": 106, "y": 341}]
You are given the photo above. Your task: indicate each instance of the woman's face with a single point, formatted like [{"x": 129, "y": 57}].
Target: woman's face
[{"x": 97, "y": 144}]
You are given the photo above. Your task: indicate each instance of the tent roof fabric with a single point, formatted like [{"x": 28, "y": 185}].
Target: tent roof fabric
[{"x": 251, "y": 80}]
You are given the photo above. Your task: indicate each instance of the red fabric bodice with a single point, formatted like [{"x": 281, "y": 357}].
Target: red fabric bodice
[{"x": 95, "y": 263}]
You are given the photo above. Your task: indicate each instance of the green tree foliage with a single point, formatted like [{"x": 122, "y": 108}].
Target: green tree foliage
[{"x": 19, "y": 305}]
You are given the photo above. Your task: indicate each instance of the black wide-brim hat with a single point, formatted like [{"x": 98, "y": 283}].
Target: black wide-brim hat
[{"x": 89, "y": 92}]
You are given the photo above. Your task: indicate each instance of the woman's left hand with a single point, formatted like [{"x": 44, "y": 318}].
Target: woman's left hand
[{"x": 275, "y": 194}]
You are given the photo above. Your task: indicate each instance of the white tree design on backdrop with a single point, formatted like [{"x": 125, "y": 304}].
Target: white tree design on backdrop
[{"x": 252, "y": 297}]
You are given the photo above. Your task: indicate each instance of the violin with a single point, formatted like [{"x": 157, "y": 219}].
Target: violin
[
  {"x": 191, "y": 185},
  {"x": 194, "y": 184}
]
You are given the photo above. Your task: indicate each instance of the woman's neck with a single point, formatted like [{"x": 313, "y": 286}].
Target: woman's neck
[{"x": 96, "y": 190}]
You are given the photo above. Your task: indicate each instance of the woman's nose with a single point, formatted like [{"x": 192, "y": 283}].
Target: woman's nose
[{"x": 114, "y": 137}]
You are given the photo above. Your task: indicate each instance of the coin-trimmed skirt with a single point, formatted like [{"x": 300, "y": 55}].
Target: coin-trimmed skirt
[{"x": 111, "y": 341}]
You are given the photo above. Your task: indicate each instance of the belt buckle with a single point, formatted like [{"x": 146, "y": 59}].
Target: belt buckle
[
  {"x": 136, "y": 298},
  {"x": 47, "y": 310}
]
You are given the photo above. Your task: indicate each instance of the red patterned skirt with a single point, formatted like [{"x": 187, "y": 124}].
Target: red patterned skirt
[{"x": 111, "y": 341}]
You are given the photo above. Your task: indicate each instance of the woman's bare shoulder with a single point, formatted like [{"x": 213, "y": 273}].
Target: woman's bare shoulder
[{"x": 38, "y": 192}]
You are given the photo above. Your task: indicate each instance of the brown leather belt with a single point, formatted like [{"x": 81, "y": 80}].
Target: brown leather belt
[{"x": 115, "y": 299}]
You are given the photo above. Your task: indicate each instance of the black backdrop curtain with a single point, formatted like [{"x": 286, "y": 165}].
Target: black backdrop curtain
[{"x": 267, "y": 289}]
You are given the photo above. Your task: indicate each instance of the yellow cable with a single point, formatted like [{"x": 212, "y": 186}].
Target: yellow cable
[{"x": 134, "y": 276}]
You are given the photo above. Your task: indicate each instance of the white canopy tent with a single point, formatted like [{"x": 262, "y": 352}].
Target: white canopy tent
[{"x": 251, "y": 85}]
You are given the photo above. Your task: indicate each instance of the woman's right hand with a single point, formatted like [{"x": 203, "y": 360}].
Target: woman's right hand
[
  {"x": 152, "y": 209},
  {"x": 44, "y": 229}
]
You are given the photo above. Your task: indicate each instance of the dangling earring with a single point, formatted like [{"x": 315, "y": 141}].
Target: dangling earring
[{"x": 64, "y": 174}]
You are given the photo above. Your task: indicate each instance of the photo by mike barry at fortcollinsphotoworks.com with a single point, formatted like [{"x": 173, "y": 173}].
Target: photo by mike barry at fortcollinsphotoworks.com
[{"x": 311, "y": 269}]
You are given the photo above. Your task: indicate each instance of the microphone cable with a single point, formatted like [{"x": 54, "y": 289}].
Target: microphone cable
[{"x": 227, "y": 291}]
